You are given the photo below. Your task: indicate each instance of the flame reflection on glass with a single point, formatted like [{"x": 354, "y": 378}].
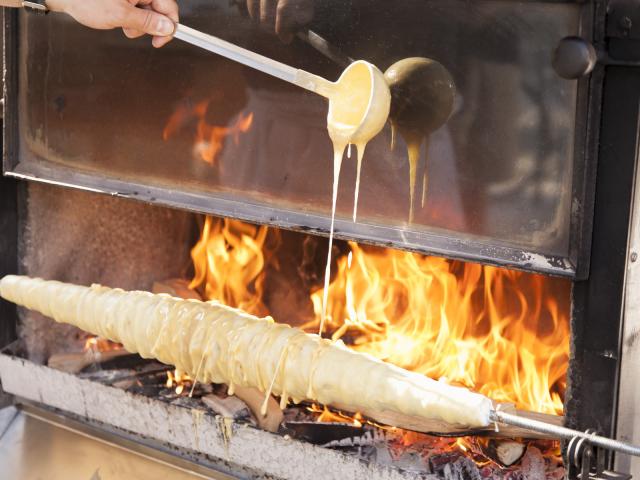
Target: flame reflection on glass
[{"x": 208, "y": 137}]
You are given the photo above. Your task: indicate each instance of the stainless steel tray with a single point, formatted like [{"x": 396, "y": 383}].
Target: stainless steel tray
[{"x": 37, "y": 444}]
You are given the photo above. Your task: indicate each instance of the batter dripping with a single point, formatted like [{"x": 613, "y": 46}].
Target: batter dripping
[
  {"x": 423, "y": 94},
  {"x": 245, "y": 350},
  {"x": 354, "y": 97}
]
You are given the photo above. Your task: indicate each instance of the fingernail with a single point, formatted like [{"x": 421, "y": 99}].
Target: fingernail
[
  {"x": 165, "y": 26},
  {"x": 158, "y": 42}
]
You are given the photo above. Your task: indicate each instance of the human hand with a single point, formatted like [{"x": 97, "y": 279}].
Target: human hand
[
  {"x": 283, "y": 17},
  {"x": 136, "y": 17}
]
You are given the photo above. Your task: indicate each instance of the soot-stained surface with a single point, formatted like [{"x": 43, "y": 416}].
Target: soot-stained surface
[{"x": 86, "y": 238}]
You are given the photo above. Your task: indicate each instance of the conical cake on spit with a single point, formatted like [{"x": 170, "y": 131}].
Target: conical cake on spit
[{"x": 215, "y": 343}]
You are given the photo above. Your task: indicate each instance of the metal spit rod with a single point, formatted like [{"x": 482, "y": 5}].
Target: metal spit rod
[{"x": 563, "y": 432}]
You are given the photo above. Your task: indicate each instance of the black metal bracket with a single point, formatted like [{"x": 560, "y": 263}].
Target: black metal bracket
[
  {"x": 587, "y": 462},
  {"x": 623, "y": 19},
  {"x": 622, "y": 33}
]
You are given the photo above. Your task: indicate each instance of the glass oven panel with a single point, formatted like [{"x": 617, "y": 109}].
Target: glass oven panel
[{"x": 182, "y": 120}]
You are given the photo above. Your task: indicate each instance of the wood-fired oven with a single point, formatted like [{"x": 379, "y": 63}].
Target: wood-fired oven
[{"x": 178, "y": 171}]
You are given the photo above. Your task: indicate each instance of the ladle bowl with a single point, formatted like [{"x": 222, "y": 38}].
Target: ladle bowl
[
  {"x": 360, "y": 112},
  {"x": 423, "y": 93}
]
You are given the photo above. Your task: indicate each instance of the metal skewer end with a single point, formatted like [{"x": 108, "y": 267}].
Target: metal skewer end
[{"x": 563, "y": 432}]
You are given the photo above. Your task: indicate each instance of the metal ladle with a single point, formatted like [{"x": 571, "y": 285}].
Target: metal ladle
[
  {"x": 422, "y": 92},
  {"x": 375, "y": 114},
  {"x": 422, "y": 89}
]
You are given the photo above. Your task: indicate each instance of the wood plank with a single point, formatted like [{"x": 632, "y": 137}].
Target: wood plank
[
  {"x": 176, "y": 287},
  {"x": 75, "y": 362}
]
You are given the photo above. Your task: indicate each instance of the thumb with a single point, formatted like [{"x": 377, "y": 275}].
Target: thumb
[{"x": 148, "y": 21}]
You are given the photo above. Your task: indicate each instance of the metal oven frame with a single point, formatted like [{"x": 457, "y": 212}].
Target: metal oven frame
[{"x": 606, "y": 152}]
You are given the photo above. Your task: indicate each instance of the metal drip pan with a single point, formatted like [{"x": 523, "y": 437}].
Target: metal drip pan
[{"x": 36, "y": 444}]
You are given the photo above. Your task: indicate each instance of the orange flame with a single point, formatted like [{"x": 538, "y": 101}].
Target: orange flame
[
  {"x": 178, "y": 379},
  {"x": 400, "y": 441},
  {"x": 499, "y": 332},
  {"x": 98, "y": 344},
  {"x": 209, "y": 138},
  {"x": 229, "y": 261},
  {"x": 326, "y": 415},
  {"x": 496, "y": 331}
]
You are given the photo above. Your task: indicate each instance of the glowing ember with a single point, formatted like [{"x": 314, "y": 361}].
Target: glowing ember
[
  {"x": 499, "y": 332},
  {"x": 98, "y": 344},
  {"x": 209, "y": 138},
  {"x": 480, "y": 449},
  {"x": 178, "y": 380}
]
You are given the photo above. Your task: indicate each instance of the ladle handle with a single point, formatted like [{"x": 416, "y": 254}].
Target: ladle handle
[
  {"x": 251, "y": 59},
  {"x": 325, "y": 48}
]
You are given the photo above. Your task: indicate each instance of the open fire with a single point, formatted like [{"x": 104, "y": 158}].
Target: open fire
[
  {"x": 500, "y": 332},
  {"x": 523, "y": 183},
  {"x": 95, "y": 345}
]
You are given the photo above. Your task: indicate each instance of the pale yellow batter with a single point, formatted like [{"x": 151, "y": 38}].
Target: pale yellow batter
[
  {"x": 359, "y": 105},
  {"x": 414, "y": 142},
  {"x": 424, "y": 93},
  {"x": 220, "y": 344}
]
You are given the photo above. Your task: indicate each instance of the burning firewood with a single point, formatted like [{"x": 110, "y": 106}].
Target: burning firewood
[
  {"x": 505, "y": 452},
  {"x": 176, "y": 287},
  {"x": 229, "y": 407},
  {"x": 215, "y": 343},
  {"x": 268, "y": 419},
  {"x": 77, "y": 361}
]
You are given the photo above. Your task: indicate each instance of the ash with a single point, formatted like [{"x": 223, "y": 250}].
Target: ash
[{"x": 412, "y": 452}]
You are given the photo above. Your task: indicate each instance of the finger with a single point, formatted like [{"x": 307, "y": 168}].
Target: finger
[
  {"x": 170, "y": 9},
  {"x": 291, "y": 16},
  {"x": 253, "y": 6},
  {"x": 285, "y": 36},
  {"x": 268, "y": 14},
  {"x": 166, "y": 7},
  {"x": 285, "y": 24},
  {"x": 131, "y": 33},
  {"x": 147, "y": 21},
  {"x": 158, "y": 42}
]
